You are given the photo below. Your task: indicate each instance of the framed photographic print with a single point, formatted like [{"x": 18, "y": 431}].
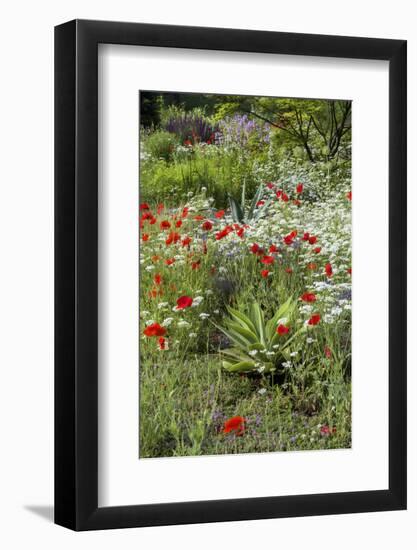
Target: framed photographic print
[{"x": 230, "y": 247}]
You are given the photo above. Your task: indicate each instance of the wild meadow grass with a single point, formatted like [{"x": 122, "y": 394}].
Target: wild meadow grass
[{"x": 183, "y": 410}]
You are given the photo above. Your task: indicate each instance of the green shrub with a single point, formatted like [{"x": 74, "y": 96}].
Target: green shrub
[
  {"x": 160, "y": 145},
  {"x": 258, "y": 347}
]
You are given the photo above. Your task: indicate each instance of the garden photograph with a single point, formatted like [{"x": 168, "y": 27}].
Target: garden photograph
[{"x": 244, "y": 274}]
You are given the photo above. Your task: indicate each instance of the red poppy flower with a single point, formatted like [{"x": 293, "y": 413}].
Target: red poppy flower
[
  {"x": 162, "y": 343},
  {"x": 306, "y": 236},
  {"x": 188, "y": 142},
  {"x": 170, "y": 261},
  {"x": 265, "y": 273},
  {"x": 329, "y": 270},
  {"x": 312, "y": 266},
  {"x": 152, "y": 220},
  {"x": 220, "y": 214},
  {"x": 165, "y": 224},
  {"x": 186, "y": 241},
  {"x": 296, "y": 202},
  {"x": 235, "y": 424},
  {"x": 255, "y": 248},
  {"x": 288, "y": 239},
  {"x": 273, "y": 249},
  {"x": 288, "y": 270},
  {"x": 184, "y": 301},
  {"x": 146, "y": 215},
  {"x": 154, "y": 329},
  {"x": 349, "y": 270},
  {"x": 260, "y": 203},
  {"x": 144, "y": 206},
  {"x": 317, "y": 250},
  {"x": 349, "y": 195},
  {"x": 308, "y": 297},
  {"x": 198, "y": 218},
  {"x": 178, "y": 223},
  {"x": 312, "y": 239},
  {"x": 299, "y": 188},
  {"x": 240, "y": 231},
  {"x": 173, "y": 237},
  {"x": 195, "y": 265},
  {"x": 223, "y": 233},
  {"x": 160, "y": 208},
  {"x": 145, "y": 237},
  {"x": 270, "y": 185},
  {"x": 267, "y": 260},
  {"x": 207, "y": 225},
  {"x": 278, "y": 194},
  {"x": 184, "y": 212},
  {"x": 157, "y": 279},
  {"x": 283, "y": 329},
  {"x": 284, "y": 197},
  {"x": 314, "y": 319},
  {"x": 326, "y": 431}
]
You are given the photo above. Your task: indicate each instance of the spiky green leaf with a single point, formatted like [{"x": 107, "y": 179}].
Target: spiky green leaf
[
  {"x": 257, "y": 317},
  {"x": 257, "y": 197},
  {"x": 285, "y": 310},
  {"x": 249, "y": 335},
  {"x": 242, "y": 319},
  {"x": 236, "y": 210},
  {"x": 242, "y": 366}
]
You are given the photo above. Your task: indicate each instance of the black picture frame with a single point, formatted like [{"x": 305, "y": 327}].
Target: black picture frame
[{"x": 76, "y": 272}]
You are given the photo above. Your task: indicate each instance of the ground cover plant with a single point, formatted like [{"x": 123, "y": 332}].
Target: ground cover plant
[{"x": 245, "y": 275}]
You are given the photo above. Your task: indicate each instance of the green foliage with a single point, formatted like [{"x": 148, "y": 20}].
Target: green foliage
[
  {"x": 169, "y": 111},
  {"x": 149, "y": 109},
  {"x": 229, "y": 105},
  {"x": 160, "y": 145},
  {"x": 320, "y": 127},
  {"x": 191, "y": 169},
  {"x": 173, "y": 170},
  {"x": 257, "y": 345},
  {"x": 239, "y": 212}
]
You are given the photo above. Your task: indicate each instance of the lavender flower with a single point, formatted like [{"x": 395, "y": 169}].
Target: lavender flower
[
  {"x": 191, "y": 127},
  {"x": 239, "y": 129}
]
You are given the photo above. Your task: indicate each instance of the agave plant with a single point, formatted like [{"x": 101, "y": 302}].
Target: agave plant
[
  {"x": 239, "y": 212},
  {"x": 257, "y": 346}
]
